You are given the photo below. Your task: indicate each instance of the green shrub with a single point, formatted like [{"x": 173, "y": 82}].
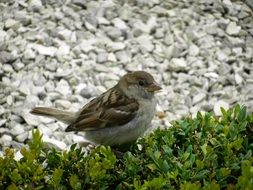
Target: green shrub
[{"x": 203, "y": 153}]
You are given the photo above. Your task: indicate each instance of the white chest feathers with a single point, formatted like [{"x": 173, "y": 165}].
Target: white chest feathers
[{"x": 128, "y": 132}]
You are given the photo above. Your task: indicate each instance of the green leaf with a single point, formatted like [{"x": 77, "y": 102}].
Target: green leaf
[
  {"x": 201, "y": 174},
  {"x": 57, "y": 176},
  {"x": 12, "y": 187},
  {"x": 16, "y": 177},
  {"x": 203, "y": 148},
  {"x": 242, "y": 114},
  {"x": 74, "y": 182}
]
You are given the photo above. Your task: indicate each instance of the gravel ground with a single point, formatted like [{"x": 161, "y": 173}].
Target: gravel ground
[{"x": 61, "y": 53}]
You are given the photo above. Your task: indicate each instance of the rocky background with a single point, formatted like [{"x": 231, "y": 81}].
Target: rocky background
[{"x": 61, "y": 53}]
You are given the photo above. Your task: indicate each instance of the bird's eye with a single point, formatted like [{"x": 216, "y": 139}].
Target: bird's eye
[{"x": 141, "y": 83}]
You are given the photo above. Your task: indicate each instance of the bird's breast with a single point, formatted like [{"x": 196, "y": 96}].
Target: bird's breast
[{"x": 128, "y": 132}]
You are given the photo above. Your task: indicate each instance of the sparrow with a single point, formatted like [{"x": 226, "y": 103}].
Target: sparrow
[{"x": 118, "y": 116}]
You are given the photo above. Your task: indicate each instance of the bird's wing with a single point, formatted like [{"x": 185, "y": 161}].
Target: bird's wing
[{"x": 108, "y": 110}]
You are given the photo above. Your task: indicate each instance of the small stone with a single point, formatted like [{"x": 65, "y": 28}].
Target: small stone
[
  {"x": 5, "y": 140},
  {"x": 62, "y": 73},
  {"x": 63, "y": 104},
  {"x": 194, "y": 110},
  {"x": 63, "y": 87},
  {"x": 168, "y": 40},
  {"x": 54, "y": 142},
  {"x": 45, "y": 130},
  {"x": 35, "y": 5},
  {"x": 207, "y": 106},
  {"x": 218, "y": 105},
  {"x": 64, "y": 49},
  {"x": 145, "y": 42},
  {"x": 22, "y": 17},
  {"x": 120, "y": 24},
  {"x": 211, "y": 28},
  {"x": 57, "y": 126},
  {"x": 6, "y": 57},
  {"x": 2, "y": 110},
  {"x": 9, "y": 100},
  {"x": 123, "y": 57},
  {"x": 159, "y": 33},
  {"x": 249, "y": 3},
  {"x": 81, "y": 3},
  {"x": 10, "y": 23},
  {"x": 222, "y": 56},
  {"x": 7, "y": 68},
  {"x": 146, "y": 28},
  {"x": 233, "y": 29},
  {"x": 3, "y": 36},
  {"x": 87, "y": 45},
  {"x": 54, "y": 96},
  {"x": 78, "y": 138},
  {"x": 171, "y": 51},
  {"x": 102, "y": 57},
  {"x": 65, "y": 34},
  {"x": 238, "y": 78},
  {"x": 18, "y": 156},
  {"x": 39, "y": 80},
  {"x": 45, "y": 50},
  {"x": 110, "y": 83},
  {"x": 114, "y": 33},
  {"x": 46, "y": 120},
  {"x": 29, "y": 118},
  {"x": 87, "y": 92},
  {"x": 18, "y": 65},
  {"x": 211, "y": 75},
  {"x": 102, "y": 21},
  {"x": 15, "y": 119},
  {"x": 2, "y": 122},
  {"x": 111, "y": 57},
  {"x": 32, "y": 99},
  {"x": 193, "y": 50},
  {"x": 16, "y": 145},
  {"x": 116, "y": 46},
  {"x": 91, "y": 21},
  {"x": 29, "y": 54},
  {"x": 198, "y": 98},
  {"x": 177, "y": 64},
  {"x": 237, "y": 50},
  {"x": 17, "y": 129},
  {"x": 24, "y": 88}
]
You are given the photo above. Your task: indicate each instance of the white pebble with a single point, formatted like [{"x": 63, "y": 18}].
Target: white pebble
[
  {"x": 54, "y": 142},
  {"x": 63, "y": 104},
  {"x": 218, "y": 105},
  {"x": 233, "y": 28},
  {"x": 193, "y": 50},
  {"x": 29, "y": 118},
  {"x": 22, "y": 137},
  {"x": 238, "y": 78},
  {"x": 45, "y": 50},
  {"x": 18, "y": 156},
  {"x": 17, "y": 129},
  {"x": 177, "y": 64},
  {"x": 198, "y": 98},
  {"x": 5, "y": 140}
]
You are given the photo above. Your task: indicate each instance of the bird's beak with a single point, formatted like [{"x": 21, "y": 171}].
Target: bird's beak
[{"x": 153, "y": 87}]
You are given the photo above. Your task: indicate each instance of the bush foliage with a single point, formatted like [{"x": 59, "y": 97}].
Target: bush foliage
[{"x": 206, "y": 152}]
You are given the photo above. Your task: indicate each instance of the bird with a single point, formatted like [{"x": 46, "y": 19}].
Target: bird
[{"x": 116, "y": 117}]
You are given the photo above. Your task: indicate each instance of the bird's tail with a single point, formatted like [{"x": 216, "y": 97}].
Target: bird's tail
[{"x": 63, "y": 116}]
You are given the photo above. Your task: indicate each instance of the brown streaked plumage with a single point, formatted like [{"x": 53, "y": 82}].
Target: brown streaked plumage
[
  {"x": 107, "y": 110},
  {"x": 106, "y": 117}
]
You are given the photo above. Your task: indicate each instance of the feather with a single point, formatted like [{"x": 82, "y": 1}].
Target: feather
[{"x": 110, "y": 109}]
